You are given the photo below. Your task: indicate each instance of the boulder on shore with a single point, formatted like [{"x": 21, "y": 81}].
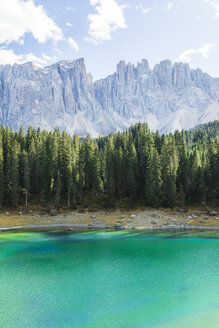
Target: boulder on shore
[
  {"x": 180, "y": 210},
  {"x": 153, "y": 222},
  {"x": 212, "y": 213},
  {"x": 118, "y": 225},
  {"x": 53, "y": 213}
]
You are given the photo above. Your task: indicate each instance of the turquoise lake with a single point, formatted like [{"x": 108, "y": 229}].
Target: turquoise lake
[{"x": 109, "y": 280}]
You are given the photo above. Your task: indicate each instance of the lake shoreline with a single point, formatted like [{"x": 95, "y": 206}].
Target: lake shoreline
[
  {"x": 138, "y": 219},
  {"x": 86, "y": 227}
]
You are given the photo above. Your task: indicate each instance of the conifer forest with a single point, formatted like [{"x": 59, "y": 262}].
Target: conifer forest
[{"x": 136, "y": 166}]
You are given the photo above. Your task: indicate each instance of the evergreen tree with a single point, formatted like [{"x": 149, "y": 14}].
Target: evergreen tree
[
  {"x": 153, "y": 179},
  {"x": 109, "y": 172},
  {"x": 131, "y": 173},
  {"x": 26, "y": 175},
  {"x": 14, "y": 173}
]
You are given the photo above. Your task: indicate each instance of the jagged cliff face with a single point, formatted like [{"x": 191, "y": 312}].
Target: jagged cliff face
[{"x": 63, "y": 95}]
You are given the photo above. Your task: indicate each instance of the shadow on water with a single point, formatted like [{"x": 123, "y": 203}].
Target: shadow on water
[{"x": 123, "y": 234}]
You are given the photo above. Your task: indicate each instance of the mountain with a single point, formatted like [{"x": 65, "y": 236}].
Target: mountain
[{"x": 169, "y": 97}]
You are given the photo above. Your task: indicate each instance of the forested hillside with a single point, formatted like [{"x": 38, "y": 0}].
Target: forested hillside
[
  {"x": 136, "y": 167},
  {"x": 202, "y": 133}
]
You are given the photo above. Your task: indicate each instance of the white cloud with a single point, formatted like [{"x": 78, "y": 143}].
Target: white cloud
[
  {"x": 59, "y": 52},
  {"x": 206, "y": 49},
  {"x": 146, "y": 10},
  {"x": 169, "y": 5},
  {"x": 215, "y": 5},
  {"x": 69, "y": 8},
  {"x": 73, "y": 44},
  {"x": 108, "y": 18},
  {"x": 143, "y": 9},
  {"x": 68, "y": 24},
  {"x": 185, "y": 56},
  {"x": 18, "y": 17},
  {"x": 9, "y": 57}
]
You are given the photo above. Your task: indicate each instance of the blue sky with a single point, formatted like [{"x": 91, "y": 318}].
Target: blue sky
[{"x": 106, "y": 31}]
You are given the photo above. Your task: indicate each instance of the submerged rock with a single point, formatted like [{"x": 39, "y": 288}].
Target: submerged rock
[{"x": 97, "y": 225}]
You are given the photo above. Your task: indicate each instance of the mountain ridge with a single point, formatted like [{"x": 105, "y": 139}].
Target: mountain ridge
[{"x": 167, "y": 97}]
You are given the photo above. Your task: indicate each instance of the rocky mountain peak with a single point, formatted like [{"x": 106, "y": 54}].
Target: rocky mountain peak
[
  {"x": 143, "y": 67},
  {"x": 171, "y": 96}
]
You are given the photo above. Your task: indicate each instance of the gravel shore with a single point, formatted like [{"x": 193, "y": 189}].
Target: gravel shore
[{"x": 138, "y": 219}]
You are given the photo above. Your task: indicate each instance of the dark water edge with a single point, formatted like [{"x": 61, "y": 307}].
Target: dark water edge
[{"x": 85, "y": 227}]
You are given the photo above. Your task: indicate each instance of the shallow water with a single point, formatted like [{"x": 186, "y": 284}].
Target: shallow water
[{"x": 109, "y": 279}]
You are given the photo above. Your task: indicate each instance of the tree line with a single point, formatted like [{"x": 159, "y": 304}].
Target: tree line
[{"x": 137, "y": 167}]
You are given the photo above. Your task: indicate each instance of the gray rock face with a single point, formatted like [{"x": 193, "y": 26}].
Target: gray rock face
[{"x": 64, "y": 95}]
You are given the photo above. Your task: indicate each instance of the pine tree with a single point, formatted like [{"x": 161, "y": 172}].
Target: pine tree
[
  {"x": 14, "y": 173},
  {"x": 58, "y": 190},
  {"x": 131, "y": 173},
  {"x": 169, "y": 166},
  {"x": 153, "y": 179},
  {"x": 25, "y": 171},
  {"x": 109, "y": 172},
  {"x": 183, "y": 181},
  {"x": 211, "y": 168},
  {"x": 75, "y": 170},
  {"x": 66, "y": 159}
]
